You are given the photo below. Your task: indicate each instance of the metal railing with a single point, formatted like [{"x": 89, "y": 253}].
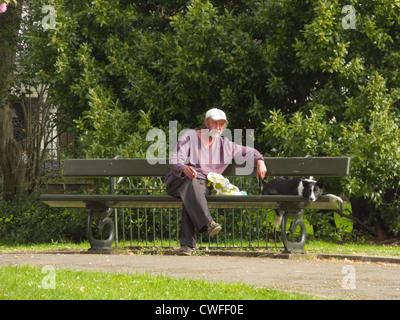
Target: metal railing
[{"x": 160, "y": 227}]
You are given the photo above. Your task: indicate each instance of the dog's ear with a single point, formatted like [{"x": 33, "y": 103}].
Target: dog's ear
[
  {"x": 320, "y": 183},
  {"x": 304, "y": 182}
]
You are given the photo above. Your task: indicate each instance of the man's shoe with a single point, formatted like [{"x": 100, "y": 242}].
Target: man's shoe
[
  {"x": 214, "y": 228},
  {"x": 185, "y": 251}
]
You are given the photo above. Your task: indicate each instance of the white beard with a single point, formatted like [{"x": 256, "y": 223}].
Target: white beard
[{"x": 214, "y": 133}]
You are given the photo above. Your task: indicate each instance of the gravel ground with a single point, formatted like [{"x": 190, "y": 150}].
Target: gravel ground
[{"x": 323, "y": 277}]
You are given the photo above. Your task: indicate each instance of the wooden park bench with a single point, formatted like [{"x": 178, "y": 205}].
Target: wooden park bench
[{"x": 100, "y": 205}]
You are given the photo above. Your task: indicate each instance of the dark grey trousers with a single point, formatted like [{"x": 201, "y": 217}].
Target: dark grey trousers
[{"x": 195, "y": 212}]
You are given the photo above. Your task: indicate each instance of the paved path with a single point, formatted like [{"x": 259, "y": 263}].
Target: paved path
[{"x": 321, "y": 277}]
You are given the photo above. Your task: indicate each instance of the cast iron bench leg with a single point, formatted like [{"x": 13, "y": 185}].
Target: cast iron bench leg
[
  {"x": 102, "y": 213},
  {"x": 293, "y": 246}
]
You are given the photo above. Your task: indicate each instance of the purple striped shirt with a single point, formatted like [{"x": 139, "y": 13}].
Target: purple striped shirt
[{"x": 189, "y": 151}]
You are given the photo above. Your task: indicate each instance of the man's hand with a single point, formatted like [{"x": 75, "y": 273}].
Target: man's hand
[
  {"x": 190, "y": 172},
  {"x": 261, "y": 169}
]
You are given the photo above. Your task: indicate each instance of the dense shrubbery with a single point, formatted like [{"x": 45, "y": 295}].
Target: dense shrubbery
[{"x": 27, "y": 220}]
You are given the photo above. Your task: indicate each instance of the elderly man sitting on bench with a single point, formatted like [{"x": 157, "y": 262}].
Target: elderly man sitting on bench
[{"x": 197, "y": 153}]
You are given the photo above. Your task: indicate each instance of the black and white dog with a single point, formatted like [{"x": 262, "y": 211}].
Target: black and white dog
[{"x": 307, "y": 188}]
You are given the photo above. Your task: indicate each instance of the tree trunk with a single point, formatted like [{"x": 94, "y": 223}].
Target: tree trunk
[
  {"x": 11, "y": 161},
  {"x": 11, "y": 157}
]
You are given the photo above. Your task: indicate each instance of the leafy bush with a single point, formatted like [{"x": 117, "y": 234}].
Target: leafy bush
[
  {"x": 325, "y": 227},
  {"x": 107, "y": 131},
  {"x": 27, "y": 220},
  {"x": 368, "y": 133}
]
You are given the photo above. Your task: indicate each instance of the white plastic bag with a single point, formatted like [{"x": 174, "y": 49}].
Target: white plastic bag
[{"x": 222, "y": 186}]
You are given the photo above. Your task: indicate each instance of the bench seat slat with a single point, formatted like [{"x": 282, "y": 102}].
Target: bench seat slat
[
  {"x": 165, "y": 201},
  {"x": 277, "y": 166}
]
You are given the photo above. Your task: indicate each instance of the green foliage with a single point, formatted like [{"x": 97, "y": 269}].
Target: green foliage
[
  {"x": 27, "y": 220},
  {"x": 353, "y": 107},
  {"x": 106, "y": 130},
  {"x": 173, "y": 60},
  {"x": 368, "y": 132},
  {"x": 324, "y": 227}
]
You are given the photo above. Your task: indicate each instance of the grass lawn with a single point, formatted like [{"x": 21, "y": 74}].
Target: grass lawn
[
  {"x": 312, "y": 247},
  {"x": 353, "y": 248},
  {"x": 32, "y": 283},
  {"x": 29, "y": 283}
]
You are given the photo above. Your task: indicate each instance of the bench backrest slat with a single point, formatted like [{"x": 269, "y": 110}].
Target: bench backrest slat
[{"x": 318, "y": 166}]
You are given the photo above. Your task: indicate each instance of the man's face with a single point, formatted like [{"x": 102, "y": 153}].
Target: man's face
[{"x": 215, "y": 127}]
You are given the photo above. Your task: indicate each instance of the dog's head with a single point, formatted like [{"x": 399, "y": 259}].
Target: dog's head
[{"x": 312, "y": 189}]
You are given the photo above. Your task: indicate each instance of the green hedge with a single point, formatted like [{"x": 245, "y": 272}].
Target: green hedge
[{"x": 27, "y": 220}]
